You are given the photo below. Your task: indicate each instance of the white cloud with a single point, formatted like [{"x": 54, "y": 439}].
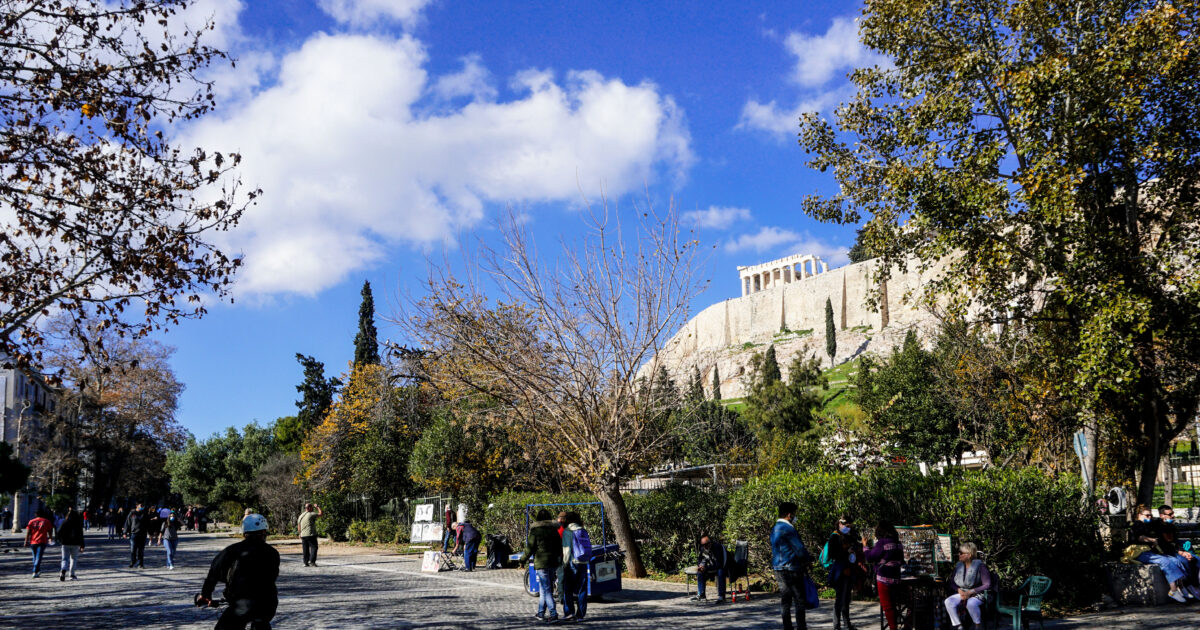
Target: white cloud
[
  {"x": 773, "y": 239},
  {"x": 716, "y": 217},
  {"x": 474, "y": 81},
  {"x": 819, "y": 60},
  {"x": 366, "y": 12},
  {"x": 820, "y": 57},
  {"x": 352, "y": 164}
]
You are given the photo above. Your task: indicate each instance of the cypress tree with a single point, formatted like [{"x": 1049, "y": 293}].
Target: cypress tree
[
  {"x": 366, "y": 347},
  {"x": 770, "y": 367},
  {"x": 316, "y": 393},
  {"x": 695, "y": 392},
  {"x": 716, "y": 384},
  {"x": 830, "y": 331}
]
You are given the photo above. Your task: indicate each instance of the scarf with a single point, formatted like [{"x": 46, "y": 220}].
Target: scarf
[{"x": 967, "y": 575}]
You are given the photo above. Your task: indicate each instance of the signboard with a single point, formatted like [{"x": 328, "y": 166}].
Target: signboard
[
  {"x": 606, "y": 571},
  {"x": 426, "y": 532},
  {"x": 424, "y": 513},
  {"x": 431, "y": 561}
]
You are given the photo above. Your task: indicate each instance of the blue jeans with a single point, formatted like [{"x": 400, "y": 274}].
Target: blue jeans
[
  {"x": 574, "y": 588},
  {"x": 112, "y": 530},
  {"x": 447, "y": 536},
  {"x": 545, "y": 579},
  {"x": 470, "y": 553},
  {"x": 703, "y": 578},
  {"x": 1174, "y": 568},
  {"x": 170, "y": 546},
  {"x": 38, "y": 552}
]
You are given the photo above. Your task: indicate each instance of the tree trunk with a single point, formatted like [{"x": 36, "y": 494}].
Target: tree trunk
[
  {"x": 618, "y": 515},
  {"x": 1168, "y": 478},
  {"x": 1152, "y": 455}
]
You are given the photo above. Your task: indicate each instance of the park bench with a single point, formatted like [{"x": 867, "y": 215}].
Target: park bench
[{"x": 1144, "y": 584}]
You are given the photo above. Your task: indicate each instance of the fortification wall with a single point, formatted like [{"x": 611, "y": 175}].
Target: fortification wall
[{"x": 791, "y": 316}]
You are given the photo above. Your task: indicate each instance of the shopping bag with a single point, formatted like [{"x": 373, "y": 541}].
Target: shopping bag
[{"x": 812, "y": 597}]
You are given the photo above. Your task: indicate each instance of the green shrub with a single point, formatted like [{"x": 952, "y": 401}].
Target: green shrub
[
  {"x": 231, "y": 512},
  {"x": 506, "y": 514},
  {"x": 382, "y": 530},
  {"x": 668, "y": 523},
  {"x": 358, "y": 531},
  {"x": 1024, "y": 521}
]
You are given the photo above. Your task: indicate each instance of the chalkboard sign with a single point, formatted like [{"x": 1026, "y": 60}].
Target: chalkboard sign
[{"x": 922, "y": 550}]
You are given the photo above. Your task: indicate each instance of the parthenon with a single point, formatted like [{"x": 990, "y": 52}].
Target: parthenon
[{"x": 786, "y": 270}]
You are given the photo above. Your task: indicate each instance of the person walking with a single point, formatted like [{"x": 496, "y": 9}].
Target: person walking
[
  {"x": 306, "y": 526},
  {"x": 888, "y": 555},
  {"x": 248, "y": 569},
  {"x": 575, "y": 574},
  {"x": 38, "y": 533},
  {"x": 111, "y": 518},
  {"x": 70, "y": 539},
  {"x": 137, "y": 527},
  {"x": 448, "y": 532},
  {"x": 170, "y": 538},
  {"x": 545, "y": 548},
  {"x": 467, "y": 537},
  {"x": 845, "y": 551},
  {"x": 790, "y": 561}
]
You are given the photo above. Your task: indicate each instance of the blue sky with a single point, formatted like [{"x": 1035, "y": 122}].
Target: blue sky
[{"x": 383, "y": 132}]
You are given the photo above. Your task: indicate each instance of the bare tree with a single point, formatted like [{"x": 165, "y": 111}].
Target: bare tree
[
  {"x": 564, "y": 347},
  {"x": 276, "y": 480}
]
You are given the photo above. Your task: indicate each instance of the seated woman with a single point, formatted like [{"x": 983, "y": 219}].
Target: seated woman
[
  {"x": 972, "y": 581},
  {"x": 1163, "y": 554}
]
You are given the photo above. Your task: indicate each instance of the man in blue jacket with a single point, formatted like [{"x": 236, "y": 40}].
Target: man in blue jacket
[{"x": 789, "y": 560}]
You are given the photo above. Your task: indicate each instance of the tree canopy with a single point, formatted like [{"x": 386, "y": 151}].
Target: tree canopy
[
  {"x": 104, "y": 217},
  {"x": 1043, "y": 158}
]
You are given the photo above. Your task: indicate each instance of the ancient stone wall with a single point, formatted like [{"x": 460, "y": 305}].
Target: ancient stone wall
[{"x": 792, "y": 317}]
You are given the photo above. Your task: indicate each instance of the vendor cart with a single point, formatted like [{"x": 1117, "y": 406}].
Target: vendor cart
[{"x": 604, "y": 563}]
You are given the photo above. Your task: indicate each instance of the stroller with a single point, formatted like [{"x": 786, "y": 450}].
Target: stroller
[{"x": 498, "y": 552}]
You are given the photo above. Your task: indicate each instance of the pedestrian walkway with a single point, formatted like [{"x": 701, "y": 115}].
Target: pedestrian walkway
[{"x": 366, "y": 588}]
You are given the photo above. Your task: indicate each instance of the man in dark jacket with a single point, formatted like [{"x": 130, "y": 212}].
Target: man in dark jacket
[
  {"x": 249, "y": 569},
  {"x": 467, "y": 538},
  {"x": 712, "y": 562},
  {"x": 70, "y": 536},
  {"x": 545, "y": 546},
  {"x": 137, "y": 527}
]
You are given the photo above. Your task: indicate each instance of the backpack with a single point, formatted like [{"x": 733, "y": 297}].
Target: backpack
[
  {"x": 824, "y": 559},
  {"x": 581, "y": 545}
]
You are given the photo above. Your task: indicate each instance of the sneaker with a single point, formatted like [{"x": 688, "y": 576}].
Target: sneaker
[
  {"x": 1194, "y": 591},
  {"x": 36, "y": 574},
  {"x": 539, "y": 617},
  {"x": 170, "y": 567},
  {"x": 74, "y": 578},
  {"x": 552, "y": 620},
  {"x": 1177, "y": 595},
  {"x": 131, "y": 565},
  {"x": 720, "y": 600},
  {"x": 696, "y": 598},
  {"x": 62, "y": 577}
]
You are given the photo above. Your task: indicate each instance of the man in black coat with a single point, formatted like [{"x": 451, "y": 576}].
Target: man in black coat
[
  {"x": 137, "y": 526},
  {"x": 249, "y": 569}
]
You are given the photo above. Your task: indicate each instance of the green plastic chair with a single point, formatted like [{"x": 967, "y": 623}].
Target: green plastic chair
[{"x": 1028, "y": 604}]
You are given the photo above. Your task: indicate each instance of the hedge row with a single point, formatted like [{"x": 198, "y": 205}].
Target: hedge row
[
  {"x": 1026, "y": 522},
  {"x": 666, "y": 522}
]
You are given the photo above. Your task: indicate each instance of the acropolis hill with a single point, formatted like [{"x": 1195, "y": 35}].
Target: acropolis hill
[{"x": 783, "y": 303}]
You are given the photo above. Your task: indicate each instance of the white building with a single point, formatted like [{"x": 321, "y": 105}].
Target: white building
[{"x": 27, "y": 398}]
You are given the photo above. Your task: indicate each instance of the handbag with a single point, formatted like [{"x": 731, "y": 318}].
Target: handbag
[{"x": 812, "y": 597}]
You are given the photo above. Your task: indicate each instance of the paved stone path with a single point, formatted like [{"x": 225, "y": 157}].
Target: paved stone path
[{"x": 365, "y": 588}]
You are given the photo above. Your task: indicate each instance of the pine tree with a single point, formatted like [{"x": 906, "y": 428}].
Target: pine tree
[
  {"x": 716, "y": 388},
  {"x": 830, "y": 331},
  {"x": 366, "y": 347},
  {"x": 316, "y": 393}
]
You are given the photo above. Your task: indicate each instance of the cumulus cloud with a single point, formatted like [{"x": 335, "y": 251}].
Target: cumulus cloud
[
  {"x": 772, "y": 240},
  {"x": 352, "y": 164},
  {"x": 716, "y": 217},
  {"x": 366, "y": 12},
  {"x": 821, "y": 63},
  {"x": 473, "y": 80}
]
